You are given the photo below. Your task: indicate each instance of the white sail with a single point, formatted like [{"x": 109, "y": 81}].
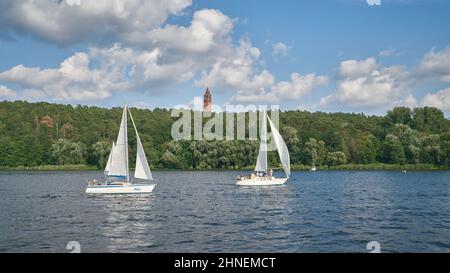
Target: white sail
[
  {"x": 261, "y": 162},
  {"x": 119, "y": 162},
  {"x": 283, "y": 152},
  {"x": 108, "y": 163},
  {"x": 142, "y": 170}
]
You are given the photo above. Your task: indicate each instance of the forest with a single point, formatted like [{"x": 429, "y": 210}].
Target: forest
[{"x": 37, "y": 134}]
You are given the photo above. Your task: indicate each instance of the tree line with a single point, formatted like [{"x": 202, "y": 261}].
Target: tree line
[{"x": 33, "y": 134}]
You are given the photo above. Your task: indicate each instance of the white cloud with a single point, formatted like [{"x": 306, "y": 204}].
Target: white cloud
[
  {"x": 355, "y": 68},
  {"x": 239, "y": 72},
  {"x": 144, "y": 68},
  {"x": 388, "y": 53},
  {"x": 279, "y": 49},
  {"x": 367, "y": 84},
  {"x": 441, "y": 99},
  {"x": 6, "y": 93},
  {"x": 236, "y": 69},
  {"x": 373, "y": 2},
  {"x": 208, "y": 30},
  {"x": 408, "y": 101},
  {"x": 175, "y": 56},
  {"x": 144, "y": 53},
  {"x": 281, "y": 91},
  {"x": 73, "y": 80},
  {"x": 62, "y": 23},
  {"x": 435, "y": 65}
]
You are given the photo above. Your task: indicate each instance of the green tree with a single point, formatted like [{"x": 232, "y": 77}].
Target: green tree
[
  {"x": 65, "y": 152},
  {"x": 100, "y": 151},
  {"x": 316, "y": 151},
  {"x": 445, "y": 148},
  {"x": 410, "y": 140},
  {"x": 402, "y": 115},
  {"x": 336, "y": 158},
  {"x": 393, "y": 150},
  {"x": 431, "y": 150},
  {"x": 366, "y": 150},
  {"x": 169, "y": 160},
  {"x": 429, "y": 119},
  {"x": 293, "y": 142}
]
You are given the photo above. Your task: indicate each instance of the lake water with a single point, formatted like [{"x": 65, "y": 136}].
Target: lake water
[{"x": 325, "y": 211}]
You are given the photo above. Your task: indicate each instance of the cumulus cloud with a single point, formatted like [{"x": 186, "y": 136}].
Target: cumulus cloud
[
  {"x": 62, "y": 23},
  {"x": 409, "y": 101},
  {"x": 441, "y": 99},
  {"x": 435, "y": 65},
  {"x": 6, "y": 93},
  {"x": 239, "y": 72},
  {"x": 295, "y": 89},
  {"x": 174, "y": 55},
  {"x": 72, "y": 80},
  {"x": 209, "y": 29},
  {"x": 156, "y": 57},
  {"x": 236, "y": 69},
  {"x": 365, "y": 83}
]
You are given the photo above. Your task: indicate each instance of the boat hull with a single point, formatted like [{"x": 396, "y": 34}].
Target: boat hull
[
  {"x": 261, "y": 181},
  {"x": 120, "y": 189}
]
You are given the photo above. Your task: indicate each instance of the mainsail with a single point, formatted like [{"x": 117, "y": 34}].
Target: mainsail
[
  {"x": 142, "y": 170},
  {"x": 283, "y": 152},
  {"x": 261, "y": 162},
  {"x": 108, "y": 163},
  {"x": 119, "y": 162}
]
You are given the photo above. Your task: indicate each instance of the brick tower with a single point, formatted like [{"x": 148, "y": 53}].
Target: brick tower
[{"x": 207, "y": 101}]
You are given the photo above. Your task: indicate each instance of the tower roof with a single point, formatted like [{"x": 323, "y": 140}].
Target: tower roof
[{"x": 207, "y": 92}]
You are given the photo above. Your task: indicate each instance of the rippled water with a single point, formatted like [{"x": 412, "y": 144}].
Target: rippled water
[{"x": 205, "y": 212}]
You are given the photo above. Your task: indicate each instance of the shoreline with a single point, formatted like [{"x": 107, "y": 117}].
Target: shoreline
[{"x": 347, "y": 167}]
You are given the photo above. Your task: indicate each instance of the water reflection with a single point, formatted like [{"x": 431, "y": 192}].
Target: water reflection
[{"x": 128, "y": 224}]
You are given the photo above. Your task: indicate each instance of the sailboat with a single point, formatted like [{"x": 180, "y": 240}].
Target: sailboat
[
  {"x": 116, "y": 170},
  {"x": 263, "y": 176}
]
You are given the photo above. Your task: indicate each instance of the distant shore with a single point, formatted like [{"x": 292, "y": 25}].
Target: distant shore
[
  {"x": 50, "y": 168},
  {"x": 346, "y": 167}
]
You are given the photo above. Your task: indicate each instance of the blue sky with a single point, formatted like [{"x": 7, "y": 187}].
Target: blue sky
[{"x": 331, "y": 55}]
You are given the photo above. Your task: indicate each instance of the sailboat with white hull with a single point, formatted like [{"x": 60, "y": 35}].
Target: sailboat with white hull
[
  {"x": 117, "y": 171},
  {"x": 263, "y": 176}
]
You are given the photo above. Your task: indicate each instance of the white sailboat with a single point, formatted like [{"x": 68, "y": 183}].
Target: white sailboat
[
  {"x": 263, "y": 176},
  {"x": 117, "y": 171}
]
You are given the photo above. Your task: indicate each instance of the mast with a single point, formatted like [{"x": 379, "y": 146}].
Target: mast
[
  {"x": 126, "y": 142},
  {"x": 261, "y": 162}
]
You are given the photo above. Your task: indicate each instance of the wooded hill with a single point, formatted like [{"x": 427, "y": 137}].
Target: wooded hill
[{"x": 33, "y": 134}]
